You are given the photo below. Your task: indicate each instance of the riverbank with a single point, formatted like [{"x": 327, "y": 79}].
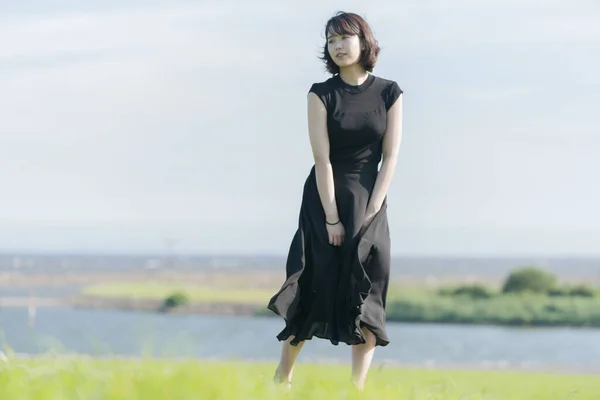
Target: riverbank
[
  {"x": 149, "y": 379},
  {"x": 408, "y": 304}
]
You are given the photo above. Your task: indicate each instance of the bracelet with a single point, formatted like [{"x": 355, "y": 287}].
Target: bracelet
[{"x": 334, "y": 223}]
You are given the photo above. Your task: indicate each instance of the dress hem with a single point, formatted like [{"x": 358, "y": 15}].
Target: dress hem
[{"x": 283, "y": 336}]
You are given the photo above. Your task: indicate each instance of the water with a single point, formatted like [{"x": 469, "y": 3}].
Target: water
[{"x": 108, "y": 332}]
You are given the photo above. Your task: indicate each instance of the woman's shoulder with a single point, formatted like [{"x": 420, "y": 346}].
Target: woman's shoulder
[
  {"x": 323, "y": 90},
  {"x": 323, "y": 86},
  {"x": 387, "y": 83},
  {"x": 389, "y": 89}
]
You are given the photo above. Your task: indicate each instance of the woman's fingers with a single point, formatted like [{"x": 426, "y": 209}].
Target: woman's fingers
[{"x": 336, "y": 235}]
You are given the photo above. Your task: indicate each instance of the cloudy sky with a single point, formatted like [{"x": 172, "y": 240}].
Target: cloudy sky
[{"x": 124, "y": 124}]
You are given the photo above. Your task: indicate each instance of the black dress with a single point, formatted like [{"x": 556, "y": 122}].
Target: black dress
[{"x": 332, "y": 291}]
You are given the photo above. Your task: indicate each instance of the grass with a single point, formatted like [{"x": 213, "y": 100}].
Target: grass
[
  {"x": 509, "y": 309},
  {"x": 159, "y": 291},
  {"x": 150, "y": 379},
  {"x": 487, "y": 305}
]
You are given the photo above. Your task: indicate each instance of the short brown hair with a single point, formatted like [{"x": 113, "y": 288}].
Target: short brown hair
[{"x": 344, "y": 23}]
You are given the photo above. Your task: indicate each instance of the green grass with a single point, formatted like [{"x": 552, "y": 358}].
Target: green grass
[
  {"x": 512, "y": 309},
  {"x": 159, "y": 291},
  {"x": 148, "y": 379}
]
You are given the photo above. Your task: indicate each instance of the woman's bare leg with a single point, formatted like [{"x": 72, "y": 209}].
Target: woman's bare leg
[
  {"x": 289, "y": 353},
  {"x": 362, "y": 355}
]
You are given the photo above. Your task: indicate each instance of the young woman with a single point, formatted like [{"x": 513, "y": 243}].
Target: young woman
[{"x": 338, "y": 264}]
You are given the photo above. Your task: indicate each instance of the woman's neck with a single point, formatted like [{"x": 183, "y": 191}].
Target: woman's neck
[{"x": 354, "y": 75}]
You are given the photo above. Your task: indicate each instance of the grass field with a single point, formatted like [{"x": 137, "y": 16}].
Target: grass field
[
  {"x": 159, "y": 291},
  {"x": 150, "y": 379}
]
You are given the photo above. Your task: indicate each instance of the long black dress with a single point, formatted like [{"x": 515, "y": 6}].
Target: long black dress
[{"x": 332, "y": 291}]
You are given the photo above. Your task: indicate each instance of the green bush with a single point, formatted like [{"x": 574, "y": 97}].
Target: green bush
[
  {"x": 582, "y": 291},
  {"x": 574, "y": 291},
  {"x": 176, "y": 300},
  {"x": 474, "y": 291},
  {"x": 558, "y": 292},
  {"x": 529, "y": 279}
]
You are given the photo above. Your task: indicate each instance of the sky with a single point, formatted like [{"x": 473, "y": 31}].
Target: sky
[{"x": 133, "y": 126}]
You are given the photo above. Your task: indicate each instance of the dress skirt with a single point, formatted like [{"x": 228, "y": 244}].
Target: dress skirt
[{"x": 332, "y": 292}]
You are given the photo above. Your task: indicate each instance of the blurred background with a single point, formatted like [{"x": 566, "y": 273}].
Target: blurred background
[{"x": 153, "y": 155}]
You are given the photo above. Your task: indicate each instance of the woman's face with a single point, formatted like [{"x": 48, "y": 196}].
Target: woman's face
[{"x": 344, "y": 49}]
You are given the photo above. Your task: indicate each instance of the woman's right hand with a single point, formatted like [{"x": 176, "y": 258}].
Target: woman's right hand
[{"x": 336, "y": 233}]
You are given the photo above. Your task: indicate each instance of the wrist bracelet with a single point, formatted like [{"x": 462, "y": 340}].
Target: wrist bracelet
[{"x": 334, "y": 223}]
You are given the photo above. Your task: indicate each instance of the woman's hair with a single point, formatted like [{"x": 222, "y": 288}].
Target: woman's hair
[{"x": 344, "y": 23}]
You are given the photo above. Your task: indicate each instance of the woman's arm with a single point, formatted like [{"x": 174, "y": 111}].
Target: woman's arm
[
  {"x": 319, "y": 141},
  {"x": 391, "y": 147}
]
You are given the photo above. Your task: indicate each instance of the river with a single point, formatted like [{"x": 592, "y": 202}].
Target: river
[{"x": 110, "y": 332}]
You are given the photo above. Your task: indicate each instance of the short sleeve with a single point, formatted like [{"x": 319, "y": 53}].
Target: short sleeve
[
  {"x": 392, "y": 93},
  {"x": 319, "y": 90}
]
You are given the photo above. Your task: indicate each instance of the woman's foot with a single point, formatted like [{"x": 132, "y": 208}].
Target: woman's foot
[{"x": 281, "y": 380}]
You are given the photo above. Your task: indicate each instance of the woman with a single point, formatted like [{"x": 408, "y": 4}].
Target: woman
[{"x": 338, "y": 263}]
